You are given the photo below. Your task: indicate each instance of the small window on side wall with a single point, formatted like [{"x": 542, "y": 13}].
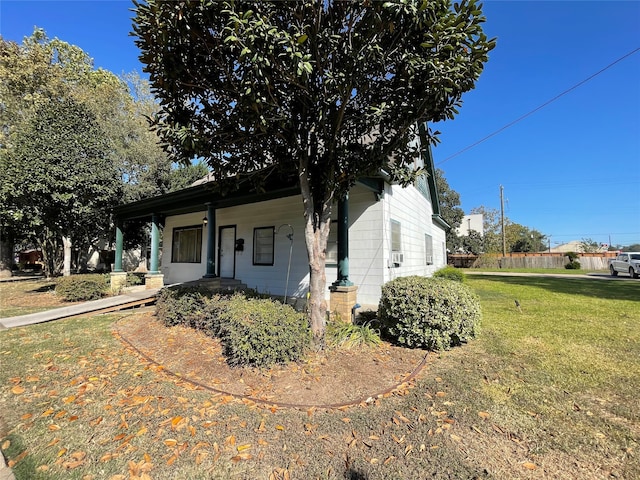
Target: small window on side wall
[
  {"x": 263, "y": 245},
  {"x": 396, "y": 239},
  {"x": 186, "y": 246},
  {"x": 428, "y": 249}
]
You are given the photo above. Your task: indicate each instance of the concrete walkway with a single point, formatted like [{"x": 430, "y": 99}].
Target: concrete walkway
[{"x": 126, "y": 300}]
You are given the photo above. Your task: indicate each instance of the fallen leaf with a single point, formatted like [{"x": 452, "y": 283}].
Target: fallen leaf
[
  {"x": 484, "y": 415},
  {"x": 6, "y": 444},
  {"x": 529, "y": 465},
  {"x": 62, "y": 451},
  {"x": 242, "y": 448},
  {"x": 26, "y": 416},
  {"x": 17, "y": 390},
  {"x": 279, "y": 427},
  {"x": 241, "y": 456},
  {"x": 170, "y": 442}
]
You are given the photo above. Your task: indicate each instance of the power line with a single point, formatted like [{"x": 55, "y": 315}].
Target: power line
[{"x": 510, "y": 124}]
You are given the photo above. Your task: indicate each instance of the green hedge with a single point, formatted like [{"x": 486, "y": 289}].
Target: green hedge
[
  {"x": 182, "y": 305},
  {"x": 260, "y": 332},
  {"x": 79, "y": 288},
  {"x": 430, "y": 313},
  {"x": 450, "y": 273},
  {"x": 254, "y": 331}
]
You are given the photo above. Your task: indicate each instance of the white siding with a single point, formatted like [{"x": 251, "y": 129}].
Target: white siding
[
  {"x": 366, "y": 245},
  {"x": 272, "y": 213},
  {"x": 414, "y": 212},
  {"x": 182, "y": 272},
  {"x": 369, "y": 242}
]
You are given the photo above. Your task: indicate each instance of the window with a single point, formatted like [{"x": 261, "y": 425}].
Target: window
[
  {"x": 263, "y": 245},
  {"x": 396, "y": 243},
  {"x": 187, "y": 245},
  {"x": 428, "y": 249}
]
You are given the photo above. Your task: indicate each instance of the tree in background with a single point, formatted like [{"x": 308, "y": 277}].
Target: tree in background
[
  {"x": 35, "y": 76},
  {"x": 60, "y": 179},
  {"x": 320, "y": 92},
  {"x": 589, "y": 245},
  {"x": 450, "y": 210}
]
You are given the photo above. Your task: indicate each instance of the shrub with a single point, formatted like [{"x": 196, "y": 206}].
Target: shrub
[
  {"x": 348, "y": 335},
  {"x": 573, "y": 265},
  {"x": 571, "y": 256},
  {"x": 428, "y": 313},
  {"x": 134, "y": 279},
  {"x": 182, "y": 305},
  {"x": 78, "y": 288},
  {"x": 261, "y": 332},
  {"x": 450, "y": 273}
]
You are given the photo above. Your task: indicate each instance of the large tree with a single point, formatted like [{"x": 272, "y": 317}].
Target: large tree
[
  {"x": 61, "y": 180},
  {"x": 323, "y": 91}
]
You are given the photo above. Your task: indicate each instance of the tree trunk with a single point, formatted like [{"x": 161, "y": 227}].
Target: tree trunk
[
  {"x": 66, "y": 268},
  {"x": 6, "y": 254},
  {"x": 316, "y": 234}
]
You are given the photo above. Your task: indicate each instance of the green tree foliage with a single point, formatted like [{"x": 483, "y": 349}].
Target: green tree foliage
[
  {"x": 61, "y": 181},
  {"x": 322, "y": 92},
  {"x": 36, "y": 74},
  {"x": 450, "y": 210}
]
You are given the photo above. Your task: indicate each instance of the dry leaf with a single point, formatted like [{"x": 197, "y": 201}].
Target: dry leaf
[
  {"x": 241, "y": 456},
  {"x": 529, "y": 465},
  {"x": 170, "y": 442},
  {"x": 6, "y": 444},
  {"x": 242, "y": 448},
  {"x": 17, "y": 390},
  {"x": 484, "y": 415}
]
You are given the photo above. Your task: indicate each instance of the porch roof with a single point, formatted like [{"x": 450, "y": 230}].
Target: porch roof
[{"x": 195, "y": 198}]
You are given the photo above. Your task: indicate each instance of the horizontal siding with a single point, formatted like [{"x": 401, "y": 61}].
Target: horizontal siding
[
  {"x": 181, "y": 272},
  {"x": 414, "y": 212},
  {"x": 369, "y": 242}
]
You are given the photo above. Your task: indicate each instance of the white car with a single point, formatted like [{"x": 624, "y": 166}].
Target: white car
[{"x": 625, "y": 262}]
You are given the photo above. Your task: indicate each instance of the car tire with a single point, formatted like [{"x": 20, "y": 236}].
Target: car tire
[
  {"x": 614, "y": 272},
  {"x": 632, "y": 273}
]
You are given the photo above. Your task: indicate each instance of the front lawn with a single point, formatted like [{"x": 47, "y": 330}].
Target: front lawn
[{"x": 548, "y": 390}]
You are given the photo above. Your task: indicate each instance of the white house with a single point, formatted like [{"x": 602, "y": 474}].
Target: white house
[{"x": 257, "y": 238}]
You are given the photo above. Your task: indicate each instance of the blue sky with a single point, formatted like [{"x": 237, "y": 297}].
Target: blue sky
[{"x": 570, "y": 170}]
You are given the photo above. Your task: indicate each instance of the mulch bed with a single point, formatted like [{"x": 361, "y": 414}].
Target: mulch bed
[{"x": 330, "y": 378}]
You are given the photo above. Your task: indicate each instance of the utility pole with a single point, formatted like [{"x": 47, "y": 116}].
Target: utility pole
[{"x": 504, "y": 240}]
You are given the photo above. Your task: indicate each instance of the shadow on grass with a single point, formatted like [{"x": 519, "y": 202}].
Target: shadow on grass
[
  {"x": 44, "y": 288},
  {"x": 595, "y": 288}
]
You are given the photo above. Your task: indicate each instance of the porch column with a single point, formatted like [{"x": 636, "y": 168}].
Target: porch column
[
  {"x": 343, "y": 244},
  {"x": 154, "y": 279},
  {"x": 155, "y": 244},
  {"x": 117, "y": 266},
  {"x": 118, "y": 278},
  {"x": 211, "y": 242},
  {"x": 343, "y": 298}
]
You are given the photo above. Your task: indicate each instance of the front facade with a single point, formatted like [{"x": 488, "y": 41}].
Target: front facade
[{"x": 258, "y": 239}]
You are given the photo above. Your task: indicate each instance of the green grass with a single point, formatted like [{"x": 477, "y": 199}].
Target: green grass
[
  {"x": 536, "y": 270},
  {"x": 548, "y": 390}
]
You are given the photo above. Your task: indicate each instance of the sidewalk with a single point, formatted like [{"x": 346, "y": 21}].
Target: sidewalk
[{"x": 126, "y": 300}]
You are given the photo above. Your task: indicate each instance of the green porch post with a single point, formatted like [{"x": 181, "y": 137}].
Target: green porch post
[
  {"x": 343, "y": 243},
  {"x": 155, "y": 244},
  {"x": 211, "y": 242},
  {"x": 117, "y": 266}
]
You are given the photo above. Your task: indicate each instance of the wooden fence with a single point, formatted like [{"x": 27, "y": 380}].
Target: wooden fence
[{"x": 588, "y": 261}]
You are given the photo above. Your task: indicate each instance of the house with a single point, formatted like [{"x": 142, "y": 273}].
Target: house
[{"x": 257, "y": 237}]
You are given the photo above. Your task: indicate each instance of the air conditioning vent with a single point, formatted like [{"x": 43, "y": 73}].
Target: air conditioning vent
[
  {"x": 429, "y": 259},
  {"x": 397, "y": 257}
]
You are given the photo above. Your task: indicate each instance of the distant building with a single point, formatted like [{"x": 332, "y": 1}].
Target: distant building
[{"x": 473, "y": 222}]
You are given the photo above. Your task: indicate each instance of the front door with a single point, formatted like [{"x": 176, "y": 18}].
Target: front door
[{"x": 227, "y": 252}]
